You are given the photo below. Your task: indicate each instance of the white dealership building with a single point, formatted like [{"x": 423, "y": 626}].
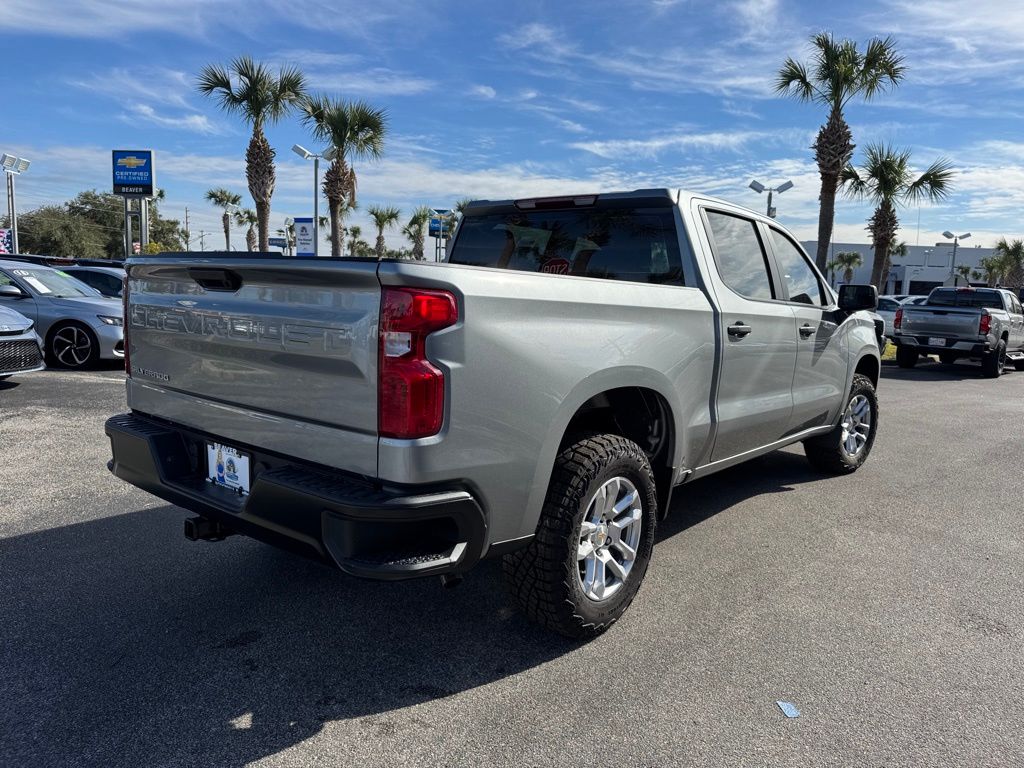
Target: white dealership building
[{"x": 923, "y": 268}]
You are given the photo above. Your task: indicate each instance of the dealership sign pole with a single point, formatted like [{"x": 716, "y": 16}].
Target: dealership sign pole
[{"x": 134, "y": 177}]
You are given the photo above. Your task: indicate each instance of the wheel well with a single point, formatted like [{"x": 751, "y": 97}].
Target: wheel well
[
  {"x": 638, "y": 414},
  {"x": 868, "y": 366}
]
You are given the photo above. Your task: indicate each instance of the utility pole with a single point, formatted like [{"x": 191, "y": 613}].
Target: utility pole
[
  {"x": 202, "y": 240},
  {"x": 187, "y": 233}
]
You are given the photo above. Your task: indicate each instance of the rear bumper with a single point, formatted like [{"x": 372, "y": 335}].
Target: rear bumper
[
  {"x": 959, "y": 346},
  {"x": 366, "y": 529}
]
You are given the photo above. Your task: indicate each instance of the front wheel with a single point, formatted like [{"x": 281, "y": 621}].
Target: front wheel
[
  {"x": 846, "y": 447},
  {"x": 594, "y": 539},
  {"x": 72, "y": 346}
]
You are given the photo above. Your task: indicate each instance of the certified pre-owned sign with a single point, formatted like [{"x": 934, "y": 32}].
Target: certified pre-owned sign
[{"x": 133, "y": 172}]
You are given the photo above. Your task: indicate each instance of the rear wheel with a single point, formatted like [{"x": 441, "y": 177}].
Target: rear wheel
[
  {"x": 847, "y": 446},
  {"x": 593, "y": 541},
  {"x": 993, "y": 363},
  {"x": 906, "y": 357},
  {"x": 72, "y": 346}
]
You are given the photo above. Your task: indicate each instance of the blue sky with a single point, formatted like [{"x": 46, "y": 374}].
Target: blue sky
[{"x": 518, "y": 99}]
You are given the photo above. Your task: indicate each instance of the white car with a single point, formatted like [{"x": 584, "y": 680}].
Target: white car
[{"x": 887, "y": 306}]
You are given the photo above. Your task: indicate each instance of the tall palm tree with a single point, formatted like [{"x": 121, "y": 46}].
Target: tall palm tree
[
  {"x": 354, "y": 233},
  {"x": 897, "y": 250},
  {"x": 226, "y": 199},
  {"x": 1011, "y": 256},
  {"x": 383, "y": 217},
  {"x": 847, "y": 261},
  {"x": 837, "y": 73},
  {"x": 887, "y": 180},
  {"x": 354, "y": 131},
  {"x": 964, "y": 270},
  {"x": 246, "y": 217},
  {"x": 261, "y": 97},
  {"x": 416, "y": 229},
  {"x": 992, "y": 269}
]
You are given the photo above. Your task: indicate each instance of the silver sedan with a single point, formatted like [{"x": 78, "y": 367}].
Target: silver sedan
[
  {"x": 21, "y": 349},
  {"x": 78, "y": 325}
]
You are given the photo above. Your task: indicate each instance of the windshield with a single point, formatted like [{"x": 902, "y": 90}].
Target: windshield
[
  {"x": 951, "y": 297},
  {"x": 53, "y": 284}
]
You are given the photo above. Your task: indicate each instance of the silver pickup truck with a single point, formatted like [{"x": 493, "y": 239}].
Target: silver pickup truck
[
  {"x": 538, "y": 396},
  {"x": 984, "y": 324}
]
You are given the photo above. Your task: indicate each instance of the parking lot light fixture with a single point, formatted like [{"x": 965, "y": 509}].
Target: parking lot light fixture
[
  {"x": 13, "y": 166},
  {"x": 758, "y": 187},
  {"x": 952, "y": 262},
  {"x": 305, "y": 154}
]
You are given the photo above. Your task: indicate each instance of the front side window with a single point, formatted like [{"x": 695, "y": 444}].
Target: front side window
[
  {"x": 801, "y": 282},
  {"x": 635, "y": 244},
  {"x": 739, "y": 255}
]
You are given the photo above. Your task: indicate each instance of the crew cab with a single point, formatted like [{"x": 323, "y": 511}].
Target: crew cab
[
  {"x": 983, "y": 324},
  {"x": 537, "y": 396}
]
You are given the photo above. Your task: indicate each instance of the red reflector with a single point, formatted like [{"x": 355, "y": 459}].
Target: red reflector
[
  {"x": 898, "y": 320},
  {"x": 985, "y": 324},
  {"x": 410, "y": 399}
]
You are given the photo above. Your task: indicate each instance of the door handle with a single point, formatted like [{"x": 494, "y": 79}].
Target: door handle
[
  {"x": 739, "y": 329},
  {"x": 806, "y": 330}
]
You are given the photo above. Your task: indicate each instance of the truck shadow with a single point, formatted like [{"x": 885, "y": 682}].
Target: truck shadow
[
  {"x": 934, "y": 371},
  {"x": 123, "y": 644}
]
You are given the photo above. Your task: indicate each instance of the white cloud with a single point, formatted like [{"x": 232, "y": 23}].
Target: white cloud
[
  {"x": 483, "y": 91},
  {"x": 376, "y": 81},
  {"x": 615, "y": 149},
  {"x": 194, "y": 123}
]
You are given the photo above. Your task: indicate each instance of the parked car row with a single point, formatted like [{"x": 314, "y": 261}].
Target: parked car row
[{"x": 73, "y": 324}]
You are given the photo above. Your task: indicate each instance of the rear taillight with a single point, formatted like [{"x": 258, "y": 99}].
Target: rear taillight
[
  {"x": 410, "y": 399},
  {"x": 985, "y": 324},
  {"x": 125, "y": 325},
  {"x": 898, "y": 320}
]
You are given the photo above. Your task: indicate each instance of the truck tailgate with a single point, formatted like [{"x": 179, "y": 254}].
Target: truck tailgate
[
  {"x": 960, "y": 322},
  {"x": 279, "y": 351}
]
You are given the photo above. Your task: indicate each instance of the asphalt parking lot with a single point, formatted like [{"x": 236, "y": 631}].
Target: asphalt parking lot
[{"x": 886, "y": 606}]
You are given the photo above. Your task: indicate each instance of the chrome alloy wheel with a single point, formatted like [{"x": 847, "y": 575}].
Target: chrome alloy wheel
[
  {"x": 72, "y": 346},
  {"x": 856, "y": 425},
  {"x": 609, "y": 538}
]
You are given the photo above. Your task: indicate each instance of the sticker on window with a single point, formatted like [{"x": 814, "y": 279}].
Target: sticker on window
[{"x": 37, "y": 284}]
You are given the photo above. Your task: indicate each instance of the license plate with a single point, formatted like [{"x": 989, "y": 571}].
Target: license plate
[
  {"x": 227, "y": 467},
  {"x": 936, "y": 341}
]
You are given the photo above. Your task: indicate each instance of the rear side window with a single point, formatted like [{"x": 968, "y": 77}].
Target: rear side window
[
  {"x": 739, "y": 255},
  {"x": 888, "y": 305},
  {"x": 801, "y": 282},
  {"x": 952, "y": 297},
  {"x": 634, "y": 244}
]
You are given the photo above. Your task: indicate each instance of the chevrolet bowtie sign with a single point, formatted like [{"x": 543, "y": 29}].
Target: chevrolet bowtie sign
[{"x": 133, "y": 172}]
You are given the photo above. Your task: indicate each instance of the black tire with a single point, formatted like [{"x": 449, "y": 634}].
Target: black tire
[
  {"x": 993, "y": 363},
  {"x": 57, "y": 354},
  {"x": 948, "y": 358},
  {"x": 906, "y": 357},
  {"x": 1019, "y": 365},
  {"x": 544, "y": 578},
  {"x": 827, "y": 453}
]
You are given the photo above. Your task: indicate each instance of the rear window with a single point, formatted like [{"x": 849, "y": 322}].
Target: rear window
[
  {"x": 634, "y": 244},
  {"x": 950, "y": 297}
]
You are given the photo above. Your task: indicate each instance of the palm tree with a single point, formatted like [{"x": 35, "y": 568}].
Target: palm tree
[
  {"x": 1011, "y": 256},
  {"x": 897, "y": 250},
  {"x": 383, "y": 218},
  {"x": 887, "y": 181},
  {"x": 992, "y": 269},
  {"x": 355, "y": 131},
  {"x": 261, "y": 97},
  {"x": 246, "y": 217},
  {"x": 964, "y": 270},
  {"x": 416, "y": 229},
  {"x": 837, "y": 73},
  {"x": 226, "y": 199},
  {"x": 847, "y": 261},
  {"x": 354, "y": 233}
]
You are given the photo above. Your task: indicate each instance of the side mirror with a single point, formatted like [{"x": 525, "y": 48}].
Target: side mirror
[
  {"x": 11, "y": 292},
  {"x": 853, "y": 298}
]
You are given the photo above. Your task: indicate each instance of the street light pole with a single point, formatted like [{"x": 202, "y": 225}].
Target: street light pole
[
  {"x": 13, "y": 166},
  {"x": 305, "y": 154},
  {"x": 956, "y": 241},
  {"x": 759, "y": 188}
]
